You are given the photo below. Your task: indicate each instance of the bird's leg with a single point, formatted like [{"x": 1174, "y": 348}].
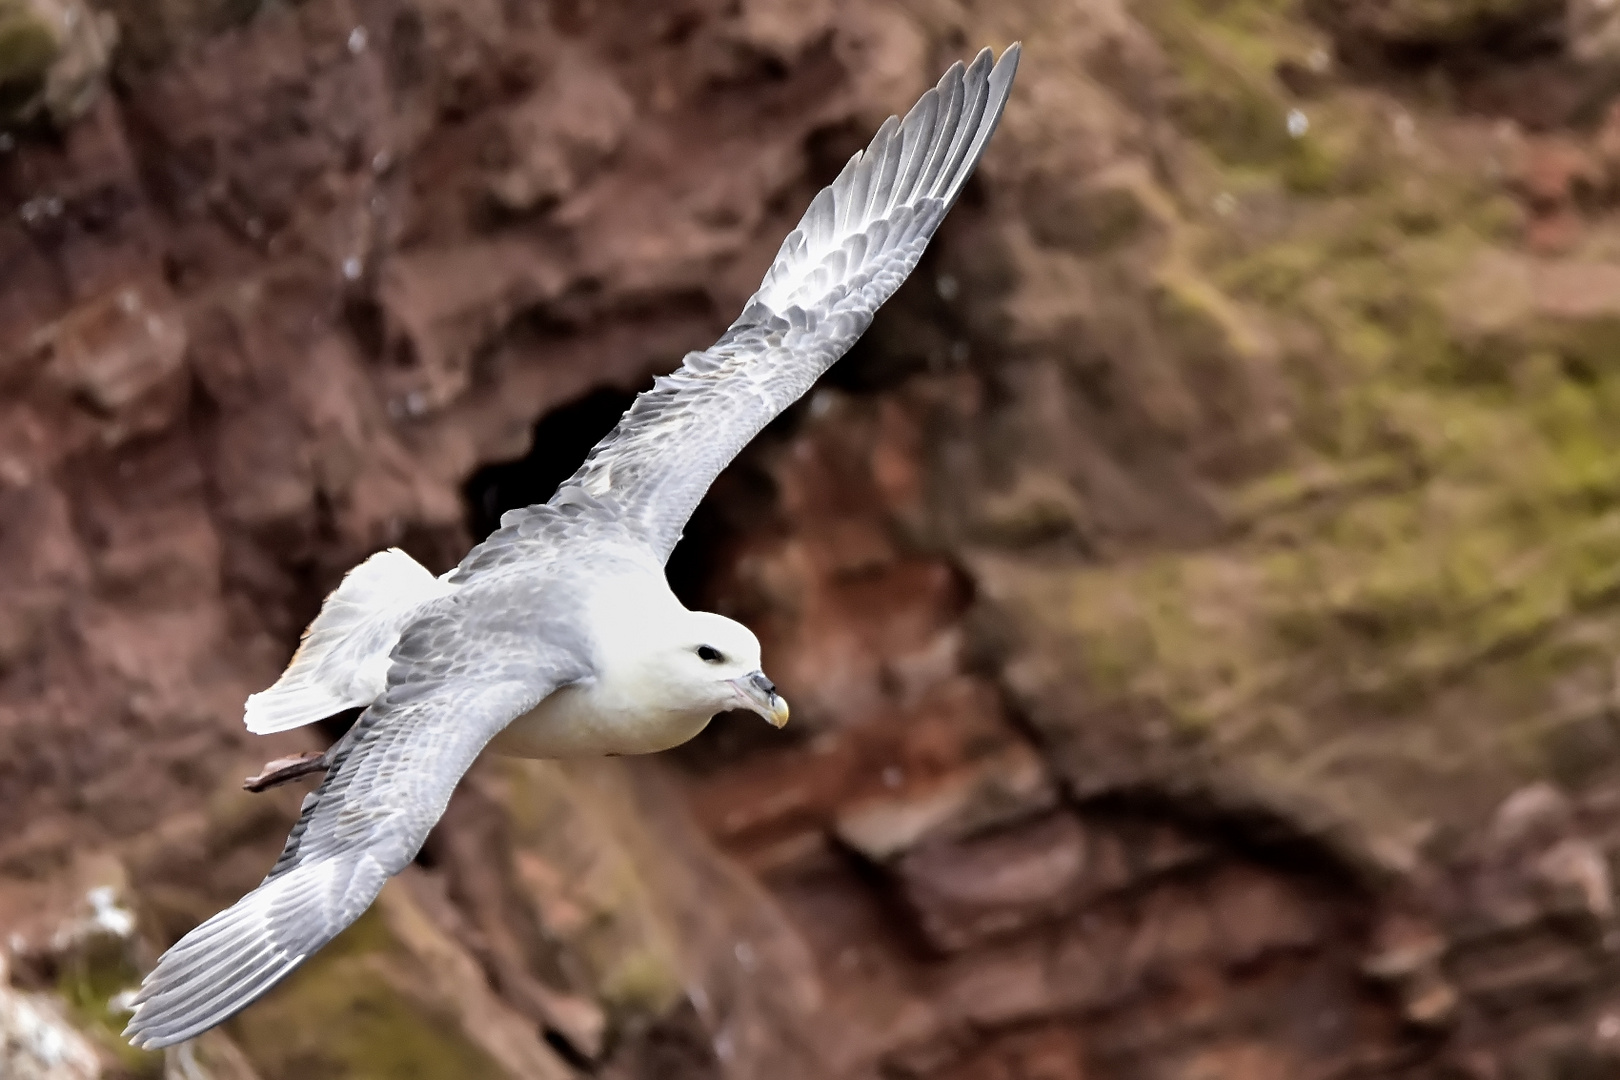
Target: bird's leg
[{"x": 282, "y": 770}]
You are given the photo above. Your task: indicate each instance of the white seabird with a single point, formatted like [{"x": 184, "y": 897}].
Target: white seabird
[{"x": 558, "y": 636}]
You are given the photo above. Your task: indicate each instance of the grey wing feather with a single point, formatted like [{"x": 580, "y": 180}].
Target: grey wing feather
[
  {"x": 461, "y": 674},
  {"x": 860, "y": 238}
]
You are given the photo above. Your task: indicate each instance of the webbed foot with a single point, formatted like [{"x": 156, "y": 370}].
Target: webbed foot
[{"x": 283, "y": 770}]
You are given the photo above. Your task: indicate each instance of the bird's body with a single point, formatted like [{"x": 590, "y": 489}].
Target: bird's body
[
  {"x": 625, "y": 707},
  {"x": 558, "y": 636}
]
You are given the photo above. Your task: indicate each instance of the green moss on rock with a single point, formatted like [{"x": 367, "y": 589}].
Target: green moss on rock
[
  {"x": 1228, "y": 98},
  {"x": 347, "y": 1015},
  {"x": 90, "y": 976},
  {"x": 29, "y": 41},
  {"x": 1393, "y": 626}
]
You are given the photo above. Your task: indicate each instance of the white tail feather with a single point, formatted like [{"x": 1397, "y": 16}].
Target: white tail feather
[{"x": 342, "y": 662}]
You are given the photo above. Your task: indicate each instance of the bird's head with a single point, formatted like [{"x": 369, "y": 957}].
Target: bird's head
[{"x": 713, "y": 662}]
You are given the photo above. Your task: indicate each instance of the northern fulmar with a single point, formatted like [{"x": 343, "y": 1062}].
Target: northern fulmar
[{"x": 558, "y": 636}]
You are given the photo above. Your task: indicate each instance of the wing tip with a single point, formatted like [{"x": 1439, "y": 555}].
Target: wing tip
[
  {"x": 223, "y": 965},
  {"x": 155, "y": 1027},
  {"x": 987, "y": 75},
  {"x": 1008, "y": 62}
]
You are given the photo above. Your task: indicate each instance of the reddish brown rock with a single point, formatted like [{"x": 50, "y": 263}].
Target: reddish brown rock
[
  {"x": 992, "y": 885},
  {"x": 269, "y": 306}
]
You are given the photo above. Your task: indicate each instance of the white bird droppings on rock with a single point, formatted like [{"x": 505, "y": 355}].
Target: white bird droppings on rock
[{"x": 37, "y": 1042}]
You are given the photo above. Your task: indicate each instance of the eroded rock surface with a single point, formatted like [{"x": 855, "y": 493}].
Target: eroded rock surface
[{"x": 1196, "y": 593}]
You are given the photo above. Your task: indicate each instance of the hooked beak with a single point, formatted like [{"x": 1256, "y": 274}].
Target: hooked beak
[{"x": 758, "y": 694}]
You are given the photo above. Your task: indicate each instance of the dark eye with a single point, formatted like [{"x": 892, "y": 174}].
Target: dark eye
[{"x": 710, "y": 654}]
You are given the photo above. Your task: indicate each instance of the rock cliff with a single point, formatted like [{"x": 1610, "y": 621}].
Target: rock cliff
[{"x": 1199, "y": 593}]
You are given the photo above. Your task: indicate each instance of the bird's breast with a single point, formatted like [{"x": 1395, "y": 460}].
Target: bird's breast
[{"x": 582, "y": 721}]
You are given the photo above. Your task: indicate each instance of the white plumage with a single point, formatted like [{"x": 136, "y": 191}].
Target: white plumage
[{"x": 342, "y": 661}]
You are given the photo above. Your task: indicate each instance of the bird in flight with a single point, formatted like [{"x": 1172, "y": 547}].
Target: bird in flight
[{"x": 558, "y": 636}]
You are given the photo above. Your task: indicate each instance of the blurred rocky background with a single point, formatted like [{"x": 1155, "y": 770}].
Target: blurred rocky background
[{"x": 1199, "y": 593}]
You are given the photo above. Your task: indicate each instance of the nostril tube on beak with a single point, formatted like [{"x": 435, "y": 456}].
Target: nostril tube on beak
[{"x": 758, "y": 694}]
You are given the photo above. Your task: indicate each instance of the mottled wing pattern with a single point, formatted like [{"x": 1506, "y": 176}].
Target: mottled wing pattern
[
  {"x": 572, "y": 522},
  {"x": 860, "y": 238},
  {"x": 473, "y": 662}
]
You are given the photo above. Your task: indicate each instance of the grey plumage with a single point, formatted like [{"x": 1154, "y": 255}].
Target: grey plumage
[
  {"x": 461, "y": 672},
  {"x": 499, "y": 635}
]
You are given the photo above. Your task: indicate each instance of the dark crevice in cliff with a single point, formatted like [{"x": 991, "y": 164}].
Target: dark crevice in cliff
[
  {"x": 562, "y": 438},
  {"x": 912, "y": 335},
  {"x": 1254, "y": 832}
]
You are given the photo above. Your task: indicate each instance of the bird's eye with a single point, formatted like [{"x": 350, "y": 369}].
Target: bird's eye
[{"x": 709, "y": 654}]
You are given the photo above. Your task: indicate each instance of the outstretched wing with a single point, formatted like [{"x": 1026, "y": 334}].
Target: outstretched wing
[
  {"x": 860, "y": 238},
  {"x": 461, "y": 673}
]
